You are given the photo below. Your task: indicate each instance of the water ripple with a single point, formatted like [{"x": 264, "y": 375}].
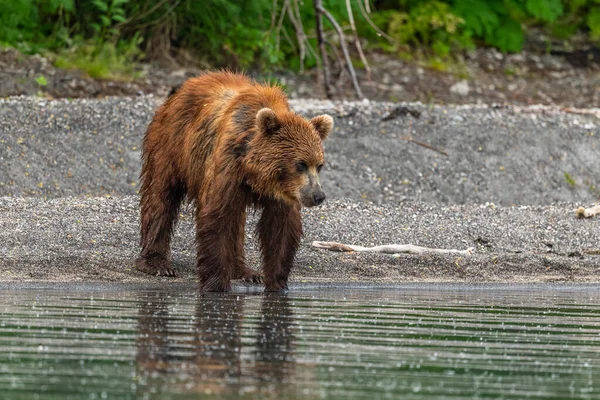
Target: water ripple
[{"x": 403, "y": 343}]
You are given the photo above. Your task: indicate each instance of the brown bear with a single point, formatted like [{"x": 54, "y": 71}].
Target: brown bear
[{"x": 226, "y": 143}]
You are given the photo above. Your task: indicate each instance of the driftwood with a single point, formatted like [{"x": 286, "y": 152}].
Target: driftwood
[
  {"x": 388, "y": 249},
  {"x": 587, "y": 212}
]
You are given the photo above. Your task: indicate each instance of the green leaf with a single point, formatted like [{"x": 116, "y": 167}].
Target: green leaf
[
  {"x": 479, "y": 17},
  {"x": 515, "y": 10},
  {"x": 545, "y": 10},
  {"x": 440, "y": 48},
  {"x": 55, "y": 5},
  {"x": 509, "y": 36},
  {"x": 41, "y": 80},
  {"x": 575, "y": 5},
  {"x": 69, "y": 5},
  {"x": 593, "y": 22},
  {"x": 105, "y": 20},
  {"x": 100, "y": 5}
]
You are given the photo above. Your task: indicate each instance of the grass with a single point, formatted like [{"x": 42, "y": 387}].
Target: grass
[
  {"x": 101, "y": 60},
  {"x": 569, "y": 179},
  {"x": 453, "y": 66}
]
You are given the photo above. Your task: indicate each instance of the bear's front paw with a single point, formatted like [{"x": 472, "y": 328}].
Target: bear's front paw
[
  {"x": 249, "y": 275},
  {"x": 278, "y": 285},
  {"x": 215, "y": 284},
  {"x": 154, "y": 266}
]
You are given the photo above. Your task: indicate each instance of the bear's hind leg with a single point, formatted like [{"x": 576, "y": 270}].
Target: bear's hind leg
[
  {"x": 279, "y": 231},
  {"x": 159, "y": 208}
]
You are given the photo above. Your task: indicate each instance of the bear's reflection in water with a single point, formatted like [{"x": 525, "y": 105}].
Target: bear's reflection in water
[{"x": 221, "y": 349}]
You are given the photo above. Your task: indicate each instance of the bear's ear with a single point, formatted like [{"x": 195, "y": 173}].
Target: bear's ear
[
  {"x": 267, "y": 121},
  {"x": 323, "y": 124}
]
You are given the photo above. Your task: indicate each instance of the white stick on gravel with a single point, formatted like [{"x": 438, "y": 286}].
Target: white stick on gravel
[
  {"x": 388, "y": 249},
  {"x": 587, "y": 212}
]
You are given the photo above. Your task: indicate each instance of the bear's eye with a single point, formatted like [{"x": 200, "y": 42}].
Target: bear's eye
[
  {"x": 301, "y": 166},
  {"x": 319, "y": 168}
]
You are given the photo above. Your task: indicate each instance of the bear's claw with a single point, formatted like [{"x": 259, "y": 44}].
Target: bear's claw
[
  {"x": 155, "y": 266},
  {"x": 249, "y": 275}
]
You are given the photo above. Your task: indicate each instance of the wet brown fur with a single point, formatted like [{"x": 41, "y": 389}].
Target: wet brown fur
[{"x": 206, "y": 143}]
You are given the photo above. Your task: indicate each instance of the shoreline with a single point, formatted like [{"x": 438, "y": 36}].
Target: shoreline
[{"x": 96, "y": 240}]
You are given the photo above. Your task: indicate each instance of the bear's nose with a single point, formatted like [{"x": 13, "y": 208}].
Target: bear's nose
[{"x": 319, "y": 197}]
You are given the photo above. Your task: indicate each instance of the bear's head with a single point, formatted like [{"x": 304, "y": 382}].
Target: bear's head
[{"x": 285, "y": 156}]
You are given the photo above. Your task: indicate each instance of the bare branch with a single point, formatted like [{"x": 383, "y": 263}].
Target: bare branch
[
  {"x": 357, "y": 40},
  {"x": 409, "y": 138},
  {"x": 319, "y": 7},
  {"x": 142, "y": 15},
  {"x": 273, "y": 15},
  {"x": 313, "y": 52},
  {"x": 160, "y": 19},
  {"x": 294, "y": 16},
  {"x": 370, "y": 22},
  {"x": 336, "y": 52},
  {"x": 321, "y": 42},
  {"x": 422, "y": 144},
  {"x": 286, "y": 4},
  {"x": 287, "y": 37}
]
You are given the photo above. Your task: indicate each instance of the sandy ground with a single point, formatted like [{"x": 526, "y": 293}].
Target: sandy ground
[{"x": 60, "y": 159}]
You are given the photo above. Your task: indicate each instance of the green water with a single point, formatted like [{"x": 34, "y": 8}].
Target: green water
[{"x": 413, "y": 342}]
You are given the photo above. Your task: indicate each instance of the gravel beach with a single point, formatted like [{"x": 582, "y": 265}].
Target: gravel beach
[
  {"x": 73, "y": 239},
  {"x": 503, "y": 180}
]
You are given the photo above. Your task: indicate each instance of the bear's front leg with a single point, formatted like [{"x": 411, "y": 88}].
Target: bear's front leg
[
  {"x": 217, "y": 239},
  {"x": 279, "y": 231},
  {"x": 243, "y": 272}
]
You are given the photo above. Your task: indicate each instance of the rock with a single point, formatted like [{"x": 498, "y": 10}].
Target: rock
[{"x": 461, "y": 88}]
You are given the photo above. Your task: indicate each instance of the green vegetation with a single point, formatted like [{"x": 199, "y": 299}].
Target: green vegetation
[
  {"x": 444, "y": 25},
  {"x": 41, "y": 80},
  {"x": 569, "y": 179},
  {"x": 107, "y": 37}
]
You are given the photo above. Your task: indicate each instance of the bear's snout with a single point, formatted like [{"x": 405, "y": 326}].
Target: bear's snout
[
  {"x": 312, "y": 197},
  {"x": 311, "y": 193},
  {"x": 319, "y": 197}
]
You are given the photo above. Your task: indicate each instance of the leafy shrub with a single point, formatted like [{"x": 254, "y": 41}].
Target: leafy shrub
[
  {"x": 459, "y": 23},
  {"x": 431, "y": 24},
  {"x": 106, "y": 37},
  {"x": 17, "y": 21},
  {"x": 582, "y": 15}
]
